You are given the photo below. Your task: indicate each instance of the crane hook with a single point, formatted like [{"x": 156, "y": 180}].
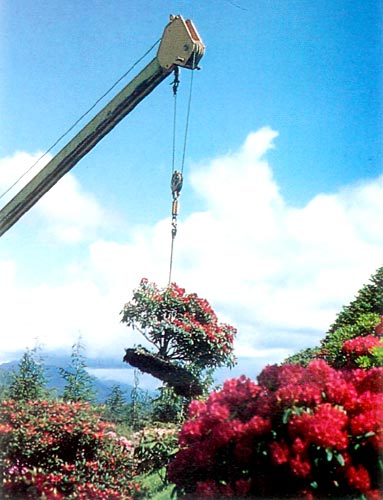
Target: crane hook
[{"x": 176, "y": 80}]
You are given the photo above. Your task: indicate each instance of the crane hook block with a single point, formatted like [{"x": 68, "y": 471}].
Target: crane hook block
[{"x": 180, "y": 45}]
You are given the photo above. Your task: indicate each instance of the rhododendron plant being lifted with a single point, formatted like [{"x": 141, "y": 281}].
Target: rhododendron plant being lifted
[{"x": 182, "y": 327}]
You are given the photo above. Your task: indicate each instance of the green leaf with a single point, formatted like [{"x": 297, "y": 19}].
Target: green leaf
[
  {"x": 286, "y": 415},
  {"x": 340, "y": 459},
  {"x": 369, "y": 434}
]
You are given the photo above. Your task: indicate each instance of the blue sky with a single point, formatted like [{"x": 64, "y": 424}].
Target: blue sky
[{"x": 283, "y": 172}]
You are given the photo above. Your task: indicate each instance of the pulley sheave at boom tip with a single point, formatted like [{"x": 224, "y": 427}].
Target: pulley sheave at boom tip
[{"x": 180, "y": 45}]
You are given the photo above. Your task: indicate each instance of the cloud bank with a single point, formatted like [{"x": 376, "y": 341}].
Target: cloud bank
[
  {"x": 67, "y": 213},
  {"x": 279, "y": 273}
]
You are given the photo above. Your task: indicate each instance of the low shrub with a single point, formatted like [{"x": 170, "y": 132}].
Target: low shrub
[
  {"x": 361, "y": 337},
  {"x": 52, "y": 450},
  {"x": 313, "y": 432},
  {"x": 155, "y": 447}
]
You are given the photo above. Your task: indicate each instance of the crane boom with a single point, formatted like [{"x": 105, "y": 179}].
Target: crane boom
[{"x": 180, "y": 46}]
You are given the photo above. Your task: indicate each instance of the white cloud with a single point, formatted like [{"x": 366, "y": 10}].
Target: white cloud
[
  {"x": 56, "y": 316},
  {"x": 19, "y": 169},
  {"x": 278, "y": 273},
  {"x": 66, "y": 213},
  {"x": 72, "y": 214}
]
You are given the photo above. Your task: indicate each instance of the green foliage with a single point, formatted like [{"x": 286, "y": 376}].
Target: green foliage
[
  {"x": 303, "y": 357},
  {"x": 29, "y": 381},
  {"x": 334, "y": 351},
  {"x": 62, "y": 450},
  {"x": 140, "y": 408},
  {"x": 181, "y": 327},
  {"x": 358, "y": 318},
  {"x": 116, "y": 405},
  {"x": 373, "y": 359},
  {"x": 79, "y": 384},
  {"x": 331, "y": 346},
  {"x": 187, "y": 340},
  {"x": 5, "y": 382},
  {"x": 156, "y": 447},
  {"x": 154, "y": 486},
  {"x": 368, "y": 300},
  {"x": 168, "y": 407}
]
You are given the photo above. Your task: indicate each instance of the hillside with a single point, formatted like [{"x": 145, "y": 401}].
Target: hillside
[{"x": 53, "y": 363}]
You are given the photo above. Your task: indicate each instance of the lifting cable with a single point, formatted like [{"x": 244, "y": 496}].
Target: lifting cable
[
  {"x": 79, "y": 119},
  {"x": 177, "y": 175}
]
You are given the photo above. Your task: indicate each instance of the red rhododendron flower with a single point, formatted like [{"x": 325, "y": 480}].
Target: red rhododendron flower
[
  {"x": 242, "y": 487},
  {"x": 207, "y": 489},
  {"x": 257, "y": 426},
  {"x": 360, "y": 345},
  {"x": 374, "y": 494},
  {"x": 369, "y": 425},
  {"x": 45, "y": 457},
  {"x": 371, "y": 380},
  {"x": 279, "y": 452},
  {"x": 317, "y": 429},
  {"x": 299, "y": 446},
  {"x": 358, "y": 477},
  {"x": 325, "y": 427},
  {"x": 300, "y": 467}
]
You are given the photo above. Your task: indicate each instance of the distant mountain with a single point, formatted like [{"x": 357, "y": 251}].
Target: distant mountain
[
  {"x": 53, "y": 363},
  {"x": 110, "y": 371}
]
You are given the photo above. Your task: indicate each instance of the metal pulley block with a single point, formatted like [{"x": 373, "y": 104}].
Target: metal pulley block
[
  {"x": 180, "y": 45},
  {"x": 176, "y": 184}
]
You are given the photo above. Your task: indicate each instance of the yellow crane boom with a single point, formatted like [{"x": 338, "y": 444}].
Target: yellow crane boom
[{"x": 180, "y": 45}]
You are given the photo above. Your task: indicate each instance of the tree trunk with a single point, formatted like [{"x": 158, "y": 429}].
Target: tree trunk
[{"x": 183, "y": 382}]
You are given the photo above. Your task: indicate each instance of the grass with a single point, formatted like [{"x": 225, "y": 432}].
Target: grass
[{"x": 155, "y": 487}]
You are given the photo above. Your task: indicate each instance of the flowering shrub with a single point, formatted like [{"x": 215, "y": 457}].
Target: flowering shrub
[
  {"x": 300, "y": 432},
  {"x": 331, "y": 347},
  {"x": 155, "y": 447},
  {"x": 365, "y": 351},
  {"x": 359, "y": 347},
  {"x": 54, "y": 450},
  {"x": 182, "y": 327}
]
